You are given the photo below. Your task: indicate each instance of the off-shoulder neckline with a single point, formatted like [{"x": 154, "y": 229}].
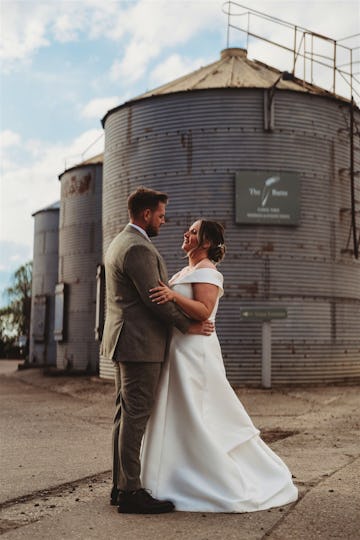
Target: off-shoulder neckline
[
  {"x": 182, "y": 274},
  {"x": 204, "y": 268},
  {"x": 190, "y": 270}
]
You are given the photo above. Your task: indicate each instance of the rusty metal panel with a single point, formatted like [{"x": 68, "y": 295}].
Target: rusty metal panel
[
  {"x": 45, "y": 269},
  {"x": 191, "y": 145},
  {"x": 80, "y": 251}
]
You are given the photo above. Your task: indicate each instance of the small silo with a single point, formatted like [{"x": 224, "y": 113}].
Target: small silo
[
  {"x": 80, "y": 251},
  {"x": 44, "y": 278},
  {"x": 238, "y": 142}
]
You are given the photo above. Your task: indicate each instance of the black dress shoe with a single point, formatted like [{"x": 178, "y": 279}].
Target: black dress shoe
[
  {"x": 114, "y": 496},
  {"x": 141, "y": 502}
]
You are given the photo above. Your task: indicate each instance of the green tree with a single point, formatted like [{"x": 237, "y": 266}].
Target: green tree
[
  {"x": 8, "y": 346},
  {"x": 15, "y": 317}
]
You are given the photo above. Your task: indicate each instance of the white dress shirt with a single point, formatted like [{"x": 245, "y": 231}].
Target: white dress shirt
[{"x": 140, "y": 230}]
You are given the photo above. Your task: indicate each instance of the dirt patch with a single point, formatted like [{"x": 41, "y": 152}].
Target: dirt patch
[
  {"x": 272, "y": 435},
  {"x": 50, "y": 502}
]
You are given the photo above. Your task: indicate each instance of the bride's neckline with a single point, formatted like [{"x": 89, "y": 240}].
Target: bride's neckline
[
  {"x": 196, "y": 265},
  {"x": 188, "y": 270}
]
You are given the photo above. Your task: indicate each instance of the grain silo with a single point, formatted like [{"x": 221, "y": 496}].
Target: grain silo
[
  {"x": 268, "y": 156},
  {"x": 44, "y": 278},
  {"x": 80, "y": 251}
]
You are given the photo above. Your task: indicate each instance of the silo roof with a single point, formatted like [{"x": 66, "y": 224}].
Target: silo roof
[
  {"x": 50, "y": 208},
  {"x": 95, "y": 160},
  {"x": 99, "y": 158},
  {"x": 234, "y": 70}
]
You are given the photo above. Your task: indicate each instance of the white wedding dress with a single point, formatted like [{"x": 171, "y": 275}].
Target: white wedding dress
[{"x": 200, "y": 448}]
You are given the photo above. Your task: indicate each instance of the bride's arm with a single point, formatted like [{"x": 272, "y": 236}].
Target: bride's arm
[{"x": 198, "y": 308}]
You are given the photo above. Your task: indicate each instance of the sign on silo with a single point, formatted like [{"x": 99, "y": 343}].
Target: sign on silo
[{"x": 267, "y": 197}]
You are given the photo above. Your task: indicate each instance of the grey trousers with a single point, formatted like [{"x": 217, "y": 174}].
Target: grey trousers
[{"x": 136, "y": 386}]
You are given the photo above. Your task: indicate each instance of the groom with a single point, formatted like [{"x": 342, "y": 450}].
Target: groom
[{"x": 136, "y": 336}]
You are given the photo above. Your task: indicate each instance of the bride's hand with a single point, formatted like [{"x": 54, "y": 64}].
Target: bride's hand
[
  {"x": 201, "y": 328},
  {"x": 161, "y": 294}
]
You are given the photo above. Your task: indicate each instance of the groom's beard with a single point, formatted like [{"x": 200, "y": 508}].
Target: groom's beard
[{"x": 151, "y": 231}]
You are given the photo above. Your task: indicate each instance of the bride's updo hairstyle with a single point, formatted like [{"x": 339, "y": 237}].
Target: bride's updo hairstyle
[{"x": 213, "y": 232}]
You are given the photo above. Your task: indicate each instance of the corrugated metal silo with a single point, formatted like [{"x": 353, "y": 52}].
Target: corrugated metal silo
[
  {"x": 201, "y": 138},
  {"x": 45, "y": 269},
  {"x": 80, "y": 251}
]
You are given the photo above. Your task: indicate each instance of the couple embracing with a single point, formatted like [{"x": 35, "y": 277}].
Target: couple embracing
[{"x": 181, "y": 438}]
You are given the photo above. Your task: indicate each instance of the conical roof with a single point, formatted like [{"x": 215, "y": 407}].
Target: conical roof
[
  {"x": 54, "y": 206},
  {"x": 233, "y": 70},
  {"x": 95, "y": 160}
]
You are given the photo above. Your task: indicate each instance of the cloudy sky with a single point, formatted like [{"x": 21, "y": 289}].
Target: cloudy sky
[{"x": 65, "y": 63}]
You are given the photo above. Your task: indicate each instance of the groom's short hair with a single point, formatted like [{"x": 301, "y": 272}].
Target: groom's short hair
[{"x": 143, "y": 198}]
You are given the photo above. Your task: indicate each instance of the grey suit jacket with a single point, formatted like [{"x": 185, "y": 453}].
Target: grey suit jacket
[{"x": 136, "y": 329}]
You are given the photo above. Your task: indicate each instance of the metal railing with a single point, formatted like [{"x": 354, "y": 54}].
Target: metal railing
[
  {"x": 315, "y": 50},
  {"x": 317, "y": 53}
]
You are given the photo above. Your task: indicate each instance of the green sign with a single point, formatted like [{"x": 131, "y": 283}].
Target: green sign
[
  {"x": 263, "y": 314},
  {"x": 267, "y": 197}
]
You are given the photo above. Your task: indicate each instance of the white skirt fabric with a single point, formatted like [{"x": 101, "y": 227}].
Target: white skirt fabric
[{"x": 201, "y": 449}]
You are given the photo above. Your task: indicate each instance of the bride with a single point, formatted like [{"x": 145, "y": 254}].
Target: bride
[{"x": 201, "y": 449}]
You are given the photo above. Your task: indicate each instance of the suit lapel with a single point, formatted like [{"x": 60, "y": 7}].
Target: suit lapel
[{"x": 161, "y": 263}]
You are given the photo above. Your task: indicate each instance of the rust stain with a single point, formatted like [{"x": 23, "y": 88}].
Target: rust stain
[
  {"x": 250, "y": 288},
  {"x": 268, "y": 247},
  {"x": 189, "y": 154},
  {"x": 186, "y": 142},
  {"x": 77, "y": 185},
  {"x": 129, "y": 125}
]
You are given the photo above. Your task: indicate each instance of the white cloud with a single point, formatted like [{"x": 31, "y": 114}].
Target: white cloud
[
  {"x": 9, "y": 138},
  {"x": 154, "y": 26},
  {"x": 106, "y": 16},
  {"x": 28, "y": 26},
  {"x": 98, "y": 107},
  {"x": 15, "y": 258},
  {"x": 319, "y": 17},
  {"x": 23, "y": 29},
  {"x": 148, "y": 26},
  {"x": 35, "y": 185},
  {"x": 152, "y": 30},
  {"x": 133, "y": 65},
  {"x": 9, "y": 147},
  {"x": 175, "y": 66},
  {"x": 11, "y": 254},
  {"x": 67, "y": 25}
]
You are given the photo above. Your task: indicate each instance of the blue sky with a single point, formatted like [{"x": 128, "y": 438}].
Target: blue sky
[{"x": 65, "y": 63}]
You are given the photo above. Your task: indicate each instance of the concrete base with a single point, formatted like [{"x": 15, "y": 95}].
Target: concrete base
[{"x": 56, "y": 464}]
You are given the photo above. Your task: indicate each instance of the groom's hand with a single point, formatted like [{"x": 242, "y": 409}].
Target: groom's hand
[{"x": 202, "y": 328}]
